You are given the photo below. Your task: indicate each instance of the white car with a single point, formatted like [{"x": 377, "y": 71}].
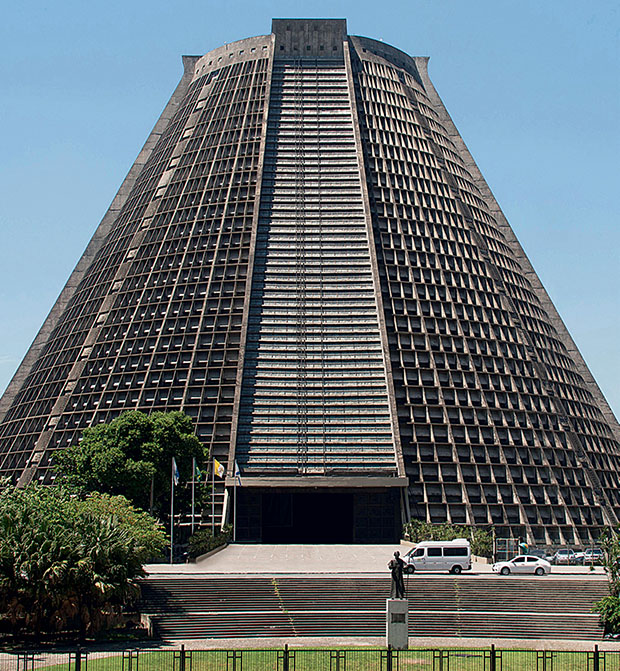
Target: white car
[{"x": 523, "y": 564}]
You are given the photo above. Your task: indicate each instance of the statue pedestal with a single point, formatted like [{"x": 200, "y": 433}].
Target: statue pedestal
[{"x": 397, "y": 623}]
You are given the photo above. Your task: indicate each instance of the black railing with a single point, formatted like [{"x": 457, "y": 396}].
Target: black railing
[{"x": 314, "y": 659}]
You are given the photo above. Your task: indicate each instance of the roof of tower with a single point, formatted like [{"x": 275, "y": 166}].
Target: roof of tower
[{"x": 309, "y": 38}]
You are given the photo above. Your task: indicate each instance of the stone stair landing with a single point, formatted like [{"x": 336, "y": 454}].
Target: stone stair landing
[{"x": 447, "y": 606}]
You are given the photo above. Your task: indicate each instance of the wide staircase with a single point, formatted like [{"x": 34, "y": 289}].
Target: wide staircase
[{"x": 209, "y": 606}]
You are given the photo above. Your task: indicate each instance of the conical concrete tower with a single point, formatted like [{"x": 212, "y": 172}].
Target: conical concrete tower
[{"x": 306, "y": 260}]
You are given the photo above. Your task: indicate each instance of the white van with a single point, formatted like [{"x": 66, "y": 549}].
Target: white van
[{"x": 453, "y": 556}]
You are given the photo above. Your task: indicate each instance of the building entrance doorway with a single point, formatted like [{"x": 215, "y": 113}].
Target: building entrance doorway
[
  {"x": 307, "y": 517},
  {"x": 318, "y": 516}
]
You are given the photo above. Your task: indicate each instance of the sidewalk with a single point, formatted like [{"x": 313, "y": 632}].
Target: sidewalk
[
  {"x": 110, "y": 649},
  {"x": 379, "y": 642}
]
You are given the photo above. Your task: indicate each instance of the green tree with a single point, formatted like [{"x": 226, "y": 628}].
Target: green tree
[
  {"x": 130, "y": 455},
  {"x": 67, "y": 563},
  {"x": 609, "y": 542},
  {"x": 609, "y": 607},
  {"x": 147, "y": 537}
]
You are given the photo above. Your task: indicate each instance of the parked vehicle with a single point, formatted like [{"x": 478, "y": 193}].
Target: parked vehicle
[
  {"x": 453, "y": 556},
  {"x": 593, "y": 556},
  {"x": 564, "y": 556},
  {"x": 535, "y": 552},
  {"x": 523, "y": 564}
]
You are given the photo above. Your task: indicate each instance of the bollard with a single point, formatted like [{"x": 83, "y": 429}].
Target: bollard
[
  {"x": 285, "y": 658},
  {"x": 182, "y": 659},
  {"x": 597, "y": 659},
  {"x": 493, "y": 665},
  {"x": 78, "y": 659}
]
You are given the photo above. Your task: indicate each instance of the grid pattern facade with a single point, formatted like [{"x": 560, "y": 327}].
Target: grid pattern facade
[
  {"x": 483, "y": 381},
  {"x": 314, "y": 396},
  {"x": 156, "y": 323},
  {"x": 307, "y": 261}
]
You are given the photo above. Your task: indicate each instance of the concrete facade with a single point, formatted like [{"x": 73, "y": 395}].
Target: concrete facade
[{"x": 306, "y": 260}]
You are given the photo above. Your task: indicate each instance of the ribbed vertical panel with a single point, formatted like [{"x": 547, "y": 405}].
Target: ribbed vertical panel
[{"x": 314, "y": 397}]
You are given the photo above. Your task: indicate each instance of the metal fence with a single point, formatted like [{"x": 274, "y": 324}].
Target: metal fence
[{"x": 320, "y": 659}]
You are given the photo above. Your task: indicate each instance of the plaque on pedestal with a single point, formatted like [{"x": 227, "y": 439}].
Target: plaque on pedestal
[{"x": 397, "y": 623}]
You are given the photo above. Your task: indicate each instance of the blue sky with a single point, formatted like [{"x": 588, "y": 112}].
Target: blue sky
[{"x": 534, "y": 88}]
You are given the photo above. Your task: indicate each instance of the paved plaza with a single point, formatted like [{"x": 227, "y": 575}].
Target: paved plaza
[{"x": 319, "y": 559}]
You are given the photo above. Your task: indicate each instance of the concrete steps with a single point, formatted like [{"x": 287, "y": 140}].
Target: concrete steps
[{"x": 222, "y": 607}]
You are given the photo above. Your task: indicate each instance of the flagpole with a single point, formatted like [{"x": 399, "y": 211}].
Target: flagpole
[
  {"x": 212, "y": 497},
  {"x": 193, "y": 483},
  {"x": 235, "y": 510},
  {"x": 237, "y": 477},
  {"x": 171, "y": 509}
]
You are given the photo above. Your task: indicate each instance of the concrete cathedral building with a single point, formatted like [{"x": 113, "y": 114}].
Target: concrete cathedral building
[{"x": 306, "y": 260}]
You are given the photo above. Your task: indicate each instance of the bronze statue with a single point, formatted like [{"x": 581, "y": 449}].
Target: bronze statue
[{"x": 397, "y": 566}]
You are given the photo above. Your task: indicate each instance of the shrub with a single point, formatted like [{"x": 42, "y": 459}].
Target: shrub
[
  {"x": 204, "y": 541},
  {"x": 609, "y": 609},
  {"x": 609, "y": 606},
  {"x": 480, "y": 539},
  {"x": 70, "y": 564}
]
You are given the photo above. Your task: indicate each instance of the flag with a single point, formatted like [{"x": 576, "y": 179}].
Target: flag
[
  {"x": 175, "y": 472},
  {"x": 197, "y": 472},
  {"x": 219, "y": 469},
  {"x": 237, "y": 473}
]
